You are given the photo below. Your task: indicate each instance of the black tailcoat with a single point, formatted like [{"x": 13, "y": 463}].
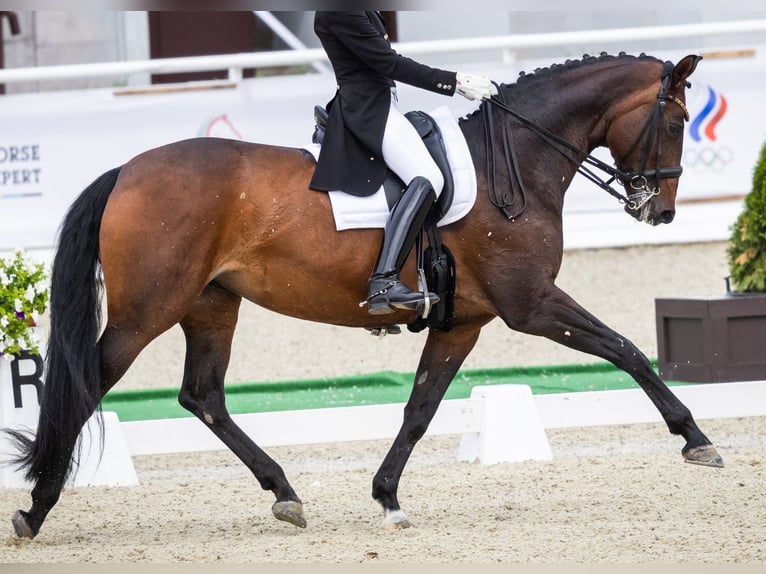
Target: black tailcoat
[{"x": 365, "y": 68}]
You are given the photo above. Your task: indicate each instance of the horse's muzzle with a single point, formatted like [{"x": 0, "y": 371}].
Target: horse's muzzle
[
  {"x": 648, "y": 214},
  {"x": 667, "y": 215}
]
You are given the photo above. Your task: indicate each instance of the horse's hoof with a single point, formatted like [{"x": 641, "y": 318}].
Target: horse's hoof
[
  {"x": 706, "y": 455},
  {"x": 289, "y": 511},
  {"x": 395, "y": 520},
  {"x": 21, "y": 525}
]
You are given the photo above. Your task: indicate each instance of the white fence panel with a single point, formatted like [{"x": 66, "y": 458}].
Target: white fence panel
[
  {"x": 490, "y": 416},
  {"x": 54, "y": 144}
]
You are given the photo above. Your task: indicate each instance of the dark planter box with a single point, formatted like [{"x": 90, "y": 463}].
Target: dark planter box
[{"x": 712, "y": 340}]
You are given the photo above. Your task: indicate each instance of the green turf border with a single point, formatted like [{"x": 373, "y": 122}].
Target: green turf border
[{"x": 368, "y": 389}]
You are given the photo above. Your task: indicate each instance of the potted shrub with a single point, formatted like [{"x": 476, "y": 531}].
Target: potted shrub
[
  {"x": 23, "y": 299},
  {"x": 747, "y": 244},
  {"x": 722, "y": 338}
]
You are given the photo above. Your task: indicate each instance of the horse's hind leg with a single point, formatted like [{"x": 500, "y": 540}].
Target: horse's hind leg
[
  {"x": 117, "y": 349},
  {"x": 442, "y": 356},
  {"x": 209, "y": 328}
]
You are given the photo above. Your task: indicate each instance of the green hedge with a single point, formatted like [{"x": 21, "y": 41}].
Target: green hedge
[{"x": 747, "y": 245}]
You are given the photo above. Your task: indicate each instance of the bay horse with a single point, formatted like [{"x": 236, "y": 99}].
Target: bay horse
[{"x": 182, "y": 233}]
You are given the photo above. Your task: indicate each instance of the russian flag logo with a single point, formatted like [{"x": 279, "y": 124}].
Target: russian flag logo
[{"x": 703, "y": 125}]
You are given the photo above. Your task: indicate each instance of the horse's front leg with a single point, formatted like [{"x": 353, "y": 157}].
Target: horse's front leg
[
  {"x": 442, "y": 356},
  {"x": 559, "y": 318}
]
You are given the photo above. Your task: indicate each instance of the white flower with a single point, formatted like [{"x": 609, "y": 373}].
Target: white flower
[
  {"x": 7, "y": 357},
  {"x": 30, "y": 280}
]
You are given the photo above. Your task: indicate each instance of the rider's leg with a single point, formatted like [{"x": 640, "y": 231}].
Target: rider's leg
[{"x": 406, "y": 154}]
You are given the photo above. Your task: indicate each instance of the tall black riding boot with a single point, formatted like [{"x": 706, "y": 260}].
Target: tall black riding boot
[{"x": 385, "y": 292}]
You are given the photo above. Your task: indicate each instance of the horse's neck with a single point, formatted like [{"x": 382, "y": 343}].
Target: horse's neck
[
  {"x": 575, "y": 104},
  {"x": 576, "y": 108}
]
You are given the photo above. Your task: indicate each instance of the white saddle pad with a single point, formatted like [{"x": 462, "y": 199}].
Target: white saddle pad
[{"x": 353, "y": 212}]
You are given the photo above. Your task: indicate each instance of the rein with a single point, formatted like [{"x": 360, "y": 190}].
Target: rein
[{"x": 637, "y": 180}]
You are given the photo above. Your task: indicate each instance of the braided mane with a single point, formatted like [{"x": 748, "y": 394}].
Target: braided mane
[
  {"x": 584, "y": 61},
  {"x": 526, "y": 78},
  {"x": 526, "y": 92}
]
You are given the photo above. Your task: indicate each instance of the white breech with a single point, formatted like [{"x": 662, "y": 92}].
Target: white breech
[{"x": 404, "y": 151}]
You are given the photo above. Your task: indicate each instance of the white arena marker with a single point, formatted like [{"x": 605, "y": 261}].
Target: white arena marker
[
  {"x": 20, "y": 383},
  {"x": 511, "y": 429},
  {"x": 112, "y": 468}
]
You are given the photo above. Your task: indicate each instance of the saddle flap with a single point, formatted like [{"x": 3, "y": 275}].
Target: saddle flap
[{"x": 431, "y": 135}]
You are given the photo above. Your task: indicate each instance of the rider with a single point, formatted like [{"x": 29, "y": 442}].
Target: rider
[{"x": 366, "y": 132}]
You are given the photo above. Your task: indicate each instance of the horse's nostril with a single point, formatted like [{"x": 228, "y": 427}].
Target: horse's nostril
[{"x": 667, "y": 216}]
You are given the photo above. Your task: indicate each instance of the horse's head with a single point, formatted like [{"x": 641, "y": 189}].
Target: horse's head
[{"x": 646, "y": 140}]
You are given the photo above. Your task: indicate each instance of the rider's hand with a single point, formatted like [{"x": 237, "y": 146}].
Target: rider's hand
[{"x": 474, "y": 87}]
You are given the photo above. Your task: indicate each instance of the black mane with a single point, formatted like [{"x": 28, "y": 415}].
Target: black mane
[
  {"x": 525, "y": 78},
  {"x": 584, "y": 61}
]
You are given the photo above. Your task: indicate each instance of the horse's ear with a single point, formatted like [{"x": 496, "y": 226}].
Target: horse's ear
[{"x": 683, "y": 69}]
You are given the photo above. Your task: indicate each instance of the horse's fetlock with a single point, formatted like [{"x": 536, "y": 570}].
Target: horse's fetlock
[
  {"x": 680, "y": 422},
  {"x": 381, "y": 488}
]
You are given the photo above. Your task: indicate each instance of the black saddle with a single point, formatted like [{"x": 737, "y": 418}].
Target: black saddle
[
  {"x": 431, "y": 136},
  {"x": 436, "y": 261}
]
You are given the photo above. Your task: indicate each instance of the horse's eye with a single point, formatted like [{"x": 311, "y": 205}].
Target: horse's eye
[{"x": 675, "y": 128}]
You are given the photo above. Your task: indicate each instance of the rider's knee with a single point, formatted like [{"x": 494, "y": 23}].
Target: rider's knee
[{"x": 435, "y": 177}]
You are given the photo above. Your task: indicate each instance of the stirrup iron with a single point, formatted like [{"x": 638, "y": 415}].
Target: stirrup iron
[{"x": 423, "y": 287}]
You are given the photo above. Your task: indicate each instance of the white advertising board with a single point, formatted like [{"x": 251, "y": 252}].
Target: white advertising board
[{"x": 52, "y": 145}]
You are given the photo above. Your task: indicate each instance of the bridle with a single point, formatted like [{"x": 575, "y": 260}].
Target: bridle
[{"x": 644, "y": 182}]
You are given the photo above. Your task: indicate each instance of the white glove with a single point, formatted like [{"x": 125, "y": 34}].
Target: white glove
[{"x": 474, "y": 87}]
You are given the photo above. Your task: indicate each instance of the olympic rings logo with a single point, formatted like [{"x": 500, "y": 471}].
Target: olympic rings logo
[{"x": 708, "y": 158}]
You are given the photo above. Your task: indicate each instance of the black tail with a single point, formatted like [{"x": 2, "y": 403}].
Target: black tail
[{"x": 72, "y": 389}]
